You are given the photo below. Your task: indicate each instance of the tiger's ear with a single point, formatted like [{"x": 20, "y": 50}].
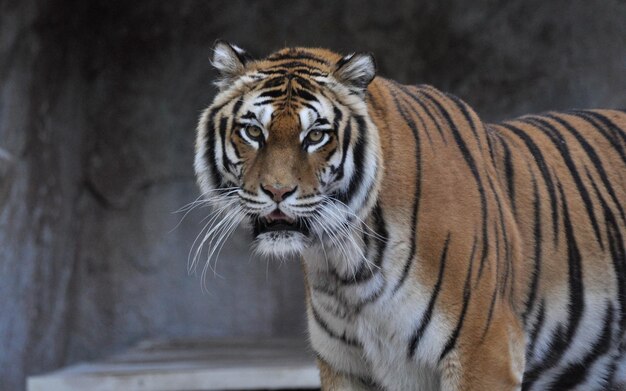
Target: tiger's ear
[
  {"x": 230, "y": 61},
  {"x": 356, "y": 71}
]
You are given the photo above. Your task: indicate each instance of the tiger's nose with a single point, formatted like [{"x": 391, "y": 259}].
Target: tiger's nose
[{"x": 278, "y": 193}]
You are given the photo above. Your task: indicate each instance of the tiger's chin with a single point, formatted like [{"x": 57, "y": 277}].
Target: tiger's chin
[
  {"x": 280, "y": 244},
  {"x": 280, "y": 236}
]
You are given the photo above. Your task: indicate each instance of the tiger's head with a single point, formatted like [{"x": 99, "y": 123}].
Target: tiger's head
[{"x": 288, "y": 148}]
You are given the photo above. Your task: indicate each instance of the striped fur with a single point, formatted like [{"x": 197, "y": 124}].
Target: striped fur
[{"x": 441, "y": 252}]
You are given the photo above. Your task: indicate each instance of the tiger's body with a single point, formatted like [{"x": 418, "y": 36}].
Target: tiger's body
[{"x": 439, "y": 252}]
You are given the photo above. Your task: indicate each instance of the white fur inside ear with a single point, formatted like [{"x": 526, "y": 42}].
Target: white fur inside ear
[
  {"x": 226, "y": 60},
  {"x": 356, "y": 70}
]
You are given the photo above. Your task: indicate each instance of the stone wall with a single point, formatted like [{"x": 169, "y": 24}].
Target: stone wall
[{"x": 98, "y": 104}]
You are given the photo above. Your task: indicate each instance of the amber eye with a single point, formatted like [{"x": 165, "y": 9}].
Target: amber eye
[
  {"x": 314, "y": 136},
  {"x": 254, "y": 132}
]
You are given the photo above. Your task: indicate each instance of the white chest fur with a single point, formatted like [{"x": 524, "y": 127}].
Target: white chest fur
[{"x": 364, "y": 328}]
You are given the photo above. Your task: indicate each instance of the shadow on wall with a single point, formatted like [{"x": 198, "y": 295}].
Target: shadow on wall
[{"x": 98, "y": 104}]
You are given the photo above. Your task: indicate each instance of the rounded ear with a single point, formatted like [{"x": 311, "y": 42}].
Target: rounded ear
[
  {"x": 356, "y": 71},
  {"x": 229, "y": 60}
]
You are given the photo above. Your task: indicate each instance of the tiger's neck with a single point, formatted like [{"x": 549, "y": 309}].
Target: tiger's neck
[{"x": 350, "y": 266}]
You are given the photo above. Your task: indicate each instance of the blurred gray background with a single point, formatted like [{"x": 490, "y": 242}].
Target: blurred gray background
[{"x": 98, "y": 104}]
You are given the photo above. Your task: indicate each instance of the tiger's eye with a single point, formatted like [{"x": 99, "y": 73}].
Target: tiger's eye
[
  {"x": 254, "y": 132},
  {"x": 315, "y": 136}
]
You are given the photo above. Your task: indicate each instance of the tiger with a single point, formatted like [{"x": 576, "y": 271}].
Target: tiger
[{"x": 439, "y": 252}]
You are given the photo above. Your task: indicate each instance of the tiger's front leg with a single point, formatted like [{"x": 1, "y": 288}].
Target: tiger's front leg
[
  {"x": 335, "y": 381},
  {"x": 491, "y": 361}
]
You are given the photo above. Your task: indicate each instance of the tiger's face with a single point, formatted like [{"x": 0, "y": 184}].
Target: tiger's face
[{"x": 287, "y": 146}]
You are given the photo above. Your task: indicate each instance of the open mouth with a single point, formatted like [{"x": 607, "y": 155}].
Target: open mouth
[{"x": 278, "y": 221}]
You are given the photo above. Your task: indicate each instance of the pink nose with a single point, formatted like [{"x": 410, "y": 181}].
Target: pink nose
[{"x": 278, "y": 193}]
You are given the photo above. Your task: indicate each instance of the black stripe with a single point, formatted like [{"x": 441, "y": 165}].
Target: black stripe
[
  {"x": 236, "y": 149},
  {"x": 562, "y": 338},
  {"x": 250, "y": 200},
  {"x": 297, "y": 55},
  {"x": 534, "y": 333},
  {"x": 234, "y": 115},
  {"x": 543, "y": 169},
  {"x": 382, "y": 235},
  {"x": 425, "y": 321},
  {"x": 509, "y": 271},
  {"x": 275, "y": 93},
  {"x": 322, "y": 121},
  {"x": 358, "y": 159},
  {"x": 577, "y": 303},
  {"x": 338, "y": 115},
  {"x": 343, "y": 60},
  {"x": 223, "y": 126},
  {"x": 498, "y": 285},
  {"x": 408, "y": 98},
  {"x": 576, "y": 373},
  {"x": 537, "y": 240},
  {"x": 491, "y": 134},
  {"x": 324, "y": 325},
  {"x": 597, "y": 163},
  {"x": 463, "y": 108},
  {"x": 604, "y": 126},
  {"x": 304, "y": 94},
  {"x": 467, "y": 295},
  {"x": 618, "y": 253},
  {"x": 559, "y": 142},
  {"x": 509, "y": 172},
  {"x": 308, "y": 205},
  {"x": 416, "y": 198},
  {"x": 416, "y": 99},
  {"x": 209, "y": 154},
  {"x": 469, "y": 159},
  {"x": 618, "y": 132},
  {"x": 369, "y": 299},
  {"x": 492, "y": 305},
  {"x": 248, "y": 115},
  {"x": 310, "y": 106},
  {"x": 347, "y": 134},
  {"x": 294, "y": 65},
  {"x": 304, "y": 83},
  {"x": 263, "y": 102},
  {"x": 272, "y": 82},
  {"x": 277, "y": 70},
  {"x": 414, "y": 110}
]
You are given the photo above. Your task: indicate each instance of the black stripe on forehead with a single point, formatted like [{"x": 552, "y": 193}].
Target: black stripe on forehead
[
  {"x": 311, "y": 107},
  {"x": 304, "y": 94},
  {"x": 248, "y": 115},
  {"x": 295, "y": 64},
  {"x": 288, "y": 89},
  {"x": 294, "y": 54},
  {"x": 275, "y": 93},
  {"x": 289, "y": 68},
  {"x": 305, "y": 83},
  {"x": 281, "y": 79},
  {"x": 272, "y": 82}
]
